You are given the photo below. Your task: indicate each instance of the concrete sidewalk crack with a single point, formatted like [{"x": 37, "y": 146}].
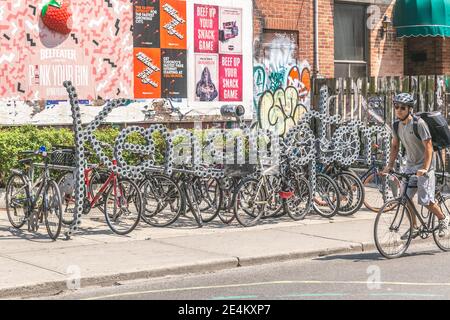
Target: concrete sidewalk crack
[
  {"x": 31, "y": 264},
  {"x": 323, "y": 237}
]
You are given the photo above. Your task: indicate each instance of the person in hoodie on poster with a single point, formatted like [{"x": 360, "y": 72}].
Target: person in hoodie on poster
[{"x": 206, "y": 89}]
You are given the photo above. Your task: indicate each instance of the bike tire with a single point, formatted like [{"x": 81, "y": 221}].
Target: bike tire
[
  {"x": 387, "y": 213},
  {"x": 192, "y": 202},
  {"x": 135, "y": 195},
  {"x": 246, "y": 186},
  {"x": 302, "y": 192},
  {"x": 210, "y": 197},
  {"x": 166, "y": 193},
  {"x": 12, "y": 202},
  {"x": 374, "y": 192},
  {"x": 353, "y": 183},
  {"x": 442, "y": 243},
  {"x": 52, "y": 207},
  {"x": 324, "y": 183}
]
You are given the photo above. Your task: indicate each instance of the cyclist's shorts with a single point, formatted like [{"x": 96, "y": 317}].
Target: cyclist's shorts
[{"x": 425, "y": 187}]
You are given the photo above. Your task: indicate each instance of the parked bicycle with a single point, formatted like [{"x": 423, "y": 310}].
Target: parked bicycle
[
  {"x": 118, "y": 198},
  {"x": 34, "y": 202}
]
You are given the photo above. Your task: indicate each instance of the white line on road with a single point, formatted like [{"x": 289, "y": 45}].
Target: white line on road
[{"x": 256, "y": 284}]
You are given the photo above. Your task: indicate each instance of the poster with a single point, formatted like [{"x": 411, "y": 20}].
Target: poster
[
  {"x": 173, "y": 24},
  {"x": 206, "y": 29},
  {"x": 174, "y": 73},
  {"x": 230, "y": 30},
  {"x": 49, "y": 67},
  {"x": 147, "y": 73},
  {"x": 230, "y": 75},
  {"x": 206, "y": 78},
  {"x": 146, "y": 24}
]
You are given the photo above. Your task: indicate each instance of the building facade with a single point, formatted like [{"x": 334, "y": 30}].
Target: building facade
[{"x": 355, "y": 38}]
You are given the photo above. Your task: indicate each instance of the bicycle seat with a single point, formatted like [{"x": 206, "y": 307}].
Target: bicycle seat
[{"x": 26, "y": 161}]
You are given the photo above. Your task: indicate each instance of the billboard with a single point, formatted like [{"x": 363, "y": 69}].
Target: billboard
[{"x": 197, "y": 52}]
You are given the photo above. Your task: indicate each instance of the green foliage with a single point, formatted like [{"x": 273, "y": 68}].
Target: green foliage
[{"x": 30, "y": 138}]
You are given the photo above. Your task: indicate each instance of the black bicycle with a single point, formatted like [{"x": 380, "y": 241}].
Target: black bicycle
[
  {"x": 393, "y": 229},
  {"x": 34, "y": 202}
]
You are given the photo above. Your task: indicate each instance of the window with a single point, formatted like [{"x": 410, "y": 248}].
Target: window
[{"x": 350, "y": 40}]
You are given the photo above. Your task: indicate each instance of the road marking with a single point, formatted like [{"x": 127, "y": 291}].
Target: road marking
[
  {"x": 400, "y": 294},
  {"x": 313, "y": 295},
  {"x": 256, "y": 284},
  {"x": 235, "y": 298}
]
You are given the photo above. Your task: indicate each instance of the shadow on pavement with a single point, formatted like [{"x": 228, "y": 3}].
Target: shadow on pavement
[{"x": 371, "y": 256}]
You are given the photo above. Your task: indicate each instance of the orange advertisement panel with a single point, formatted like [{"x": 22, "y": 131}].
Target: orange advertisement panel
[
  {"x": 173, "y": 24},
  {"x": 147, "y": 73}
]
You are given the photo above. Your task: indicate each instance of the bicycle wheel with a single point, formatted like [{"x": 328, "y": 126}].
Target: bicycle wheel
[
  {"x": 66, "y": 185},
  {"x": 123, "y": 207},
  {"x": 274, "y": 202},
  {"x": 393, "y": 222},
  {"x": 375, "y": 194},
  {"x": 210, "y": 197},
  {"x": 250, "y": 201},
  {"x": 163, "y": 201},
  {"x": 326, "y": 199},
  {"x": 52, "y": 209},
  {"x": 17, "y": 200},
  {"x": 192, "y": 201},
  {"x": 444, "y": 242},
  {"x": 299, "y": 205},
  {"x": 351, "y": 193},
  {"x": 226, "y": 213}
]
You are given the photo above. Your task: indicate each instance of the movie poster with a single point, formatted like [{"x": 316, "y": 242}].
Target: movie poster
[
  {"x": 230, "y": 75},
  {"x": 230, "y": 31},
  {"x": 147, "y": 73},
  {"x": 206, "y": 29},
  {"x": 173, "y": 24},
  {"x": 174, "y": 73},
  {"x": 146, "y": 23},
  {"x": 206, "y": 78}
]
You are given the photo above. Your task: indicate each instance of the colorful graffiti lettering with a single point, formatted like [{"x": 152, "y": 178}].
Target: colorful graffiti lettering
[{"x": 280, "y": 110}]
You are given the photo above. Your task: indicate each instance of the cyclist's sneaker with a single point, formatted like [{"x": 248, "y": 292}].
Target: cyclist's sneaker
[
  {"x": 443, "y": 226},
  {"x": 415, "y": 234}
]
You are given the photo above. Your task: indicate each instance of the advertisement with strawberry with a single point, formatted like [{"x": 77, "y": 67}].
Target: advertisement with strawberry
[{"x": 57, "y": 16}]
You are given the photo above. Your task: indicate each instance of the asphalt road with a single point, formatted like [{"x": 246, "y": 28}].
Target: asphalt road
[{"x": 424, "y": 273}]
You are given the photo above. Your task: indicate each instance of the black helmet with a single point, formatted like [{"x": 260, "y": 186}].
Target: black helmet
[{"x": 405, "y": 98}]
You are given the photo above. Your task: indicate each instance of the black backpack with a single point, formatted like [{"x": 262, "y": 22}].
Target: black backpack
[{"x": 438, "y": 126}]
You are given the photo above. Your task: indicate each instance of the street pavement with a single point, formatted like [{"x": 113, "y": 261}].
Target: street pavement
[
  {"x": 32, "y": 265},
  {"x": 356, "y": 276}
]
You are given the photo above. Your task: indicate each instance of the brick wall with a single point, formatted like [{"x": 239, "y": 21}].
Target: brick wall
[
  {"x": 433, "y": 49},
  {"x": 386, "y": 54},
  {"x": 291, "y": 15}
]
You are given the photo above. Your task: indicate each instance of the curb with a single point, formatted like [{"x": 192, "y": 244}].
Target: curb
[{"x": 57, "y": 287}]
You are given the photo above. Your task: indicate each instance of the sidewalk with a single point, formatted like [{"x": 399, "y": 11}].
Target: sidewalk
[{"x": 30, "y": 263}]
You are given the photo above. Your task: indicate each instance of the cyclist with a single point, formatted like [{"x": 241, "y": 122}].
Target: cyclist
[{"x": 420, "y": 160}]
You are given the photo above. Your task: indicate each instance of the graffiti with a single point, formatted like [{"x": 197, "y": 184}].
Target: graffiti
[
  {"x": 280, "y": 110},
  {"x": 282, "y": 96}
]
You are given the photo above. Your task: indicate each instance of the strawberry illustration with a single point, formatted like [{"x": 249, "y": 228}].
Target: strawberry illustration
[{"x": 57, "y": 16}]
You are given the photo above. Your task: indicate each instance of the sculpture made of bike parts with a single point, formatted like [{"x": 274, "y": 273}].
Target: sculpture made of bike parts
[
  {"x": 342, "y": 148},
  {"x": 187, "y": 152}
]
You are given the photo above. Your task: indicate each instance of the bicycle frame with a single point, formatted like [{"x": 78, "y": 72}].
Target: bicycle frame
[
  {"x": 93, "y": 200},
  {"x": 32, "y": 186},
  {"x": 406, "y": 201}
]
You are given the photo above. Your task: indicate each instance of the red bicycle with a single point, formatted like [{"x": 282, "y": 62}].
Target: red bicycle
[{"x": 118, "y": 198}]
